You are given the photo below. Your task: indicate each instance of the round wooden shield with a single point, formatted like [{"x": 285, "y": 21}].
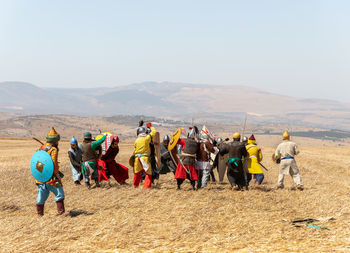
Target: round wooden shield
[
  {"x": 132, "y": 161},
  {"x": 174, "y": 139},
  {"x": 41, "y": 166}
]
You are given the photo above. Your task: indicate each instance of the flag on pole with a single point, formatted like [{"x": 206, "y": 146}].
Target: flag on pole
[{"x": 206, "y": 131}]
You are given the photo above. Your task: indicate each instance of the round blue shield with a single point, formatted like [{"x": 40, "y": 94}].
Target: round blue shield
[{"x": 41, "y": 166}]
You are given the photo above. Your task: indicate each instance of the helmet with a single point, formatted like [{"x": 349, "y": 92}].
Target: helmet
[
  {"x": 219, "y": 140},
  {"x": 87, "y": 135},
  {"x": 244, "y": 139},
  {"x": 286, "y": 135},
  {"x": 141, "y": 130},
  {"x": 191, "y": 134},
  {"x": 73, "y": 141},
  {"x": 166, "y": 138},
  {"x": 236, "y": 135}
]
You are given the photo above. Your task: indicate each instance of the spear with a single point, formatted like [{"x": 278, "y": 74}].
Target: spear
[
  {"x": 263, "y": 167},
  {"x": 38, "y": 141},
  {"x": 245, "y": 123}
]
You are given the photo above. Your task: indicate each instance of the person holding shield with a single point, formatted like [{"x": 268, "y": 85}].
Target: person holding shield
[
  {"x": 54, "y": 184},
  {"x": 89, "y": 157},
  {"x": 142, "y": 152}
]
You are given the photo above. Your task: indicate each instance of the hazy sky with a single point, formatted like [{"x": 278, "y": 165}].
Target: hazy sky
[{"x": 295, "y": 47}]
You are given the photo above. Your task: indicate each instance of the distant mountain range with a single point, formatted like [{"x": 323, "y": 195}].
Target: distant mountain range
[{"x": 205, "y": 103}]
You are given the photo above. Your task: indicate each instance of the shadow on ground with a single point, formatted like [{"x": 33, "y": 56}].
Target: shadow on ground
[
  {"x": 75, "y": 213},
  {"x": 10, "y": 208}
]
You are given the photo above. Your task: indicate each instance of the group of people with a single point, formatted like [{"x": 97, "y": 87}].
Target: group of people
[
  {"x": 193, "y": 158},
  {"x": 98, "y": 158}
]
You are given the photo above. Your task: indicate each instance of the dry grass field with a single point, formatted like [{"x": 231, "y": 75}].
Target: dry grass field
[{"x": 214, "y": 219}]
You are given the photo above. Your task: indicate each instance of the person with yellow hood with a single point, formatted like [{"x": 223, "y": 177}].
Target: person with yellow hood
[
  {"x": 54, "y": 184},
  {"x": 286, "y": 151},
  {"x": 142, "y": 152},
  {"x": 254, "y": 158}
]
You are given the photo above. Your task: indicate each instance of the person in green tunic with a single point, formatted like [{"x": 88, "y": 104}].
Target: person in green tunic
[{"x": 89, "y": 157}]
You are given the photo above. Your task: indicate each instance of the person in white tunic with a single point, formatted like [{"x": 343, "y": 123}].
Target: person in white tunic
[{"x": 286, "y": 151}]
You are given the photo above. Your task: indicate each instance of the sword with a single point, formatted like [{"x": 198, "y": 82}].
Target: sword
[
  {"x": 172, "y": 157},
  {"x": 187, "y": 171},
  {"x": 263, "y": 166}
]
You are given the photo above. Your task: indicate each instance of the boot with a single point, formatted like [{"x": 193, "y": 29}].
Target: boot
[
  {"x": 40, "y": 209},
  {"x": 60, "y": 207},
  {"x": 97, "y": 183},
  {"x": 88, "y": 185},
  {"x": 77, "y": 182}
]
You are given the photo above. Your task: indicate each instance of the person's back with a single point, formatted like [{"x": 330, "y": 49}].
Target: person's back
[
  {"x": 236, "y": 149},
  {"x": 287, "y": 149},
  {"x": 236, "y": 152},
  {"x": 189, "y": 152},
  {"x": 253, "y": 161},
  {"x": 205, "y": 148},
  {"x": 90, "y": 157},
  {"x": 88, "y": 154}
]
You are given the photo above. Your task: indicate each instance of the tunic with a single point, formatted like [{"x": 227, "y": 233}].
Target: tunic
[
  {"x": 190, "y": 148},
  {"x": 254, "y": 157}
]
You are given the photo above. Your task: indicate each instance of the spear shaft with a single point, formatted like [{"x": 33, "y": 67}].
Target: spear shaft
[{"x": 38, "y": 141}]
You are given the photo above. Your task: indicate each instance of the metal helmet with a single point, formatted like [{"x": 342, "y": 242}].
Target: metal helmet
[
  {"x": 166, "y": 138},
  {"x": 191, "y": 133},
  {"x": 286, "y": 135},
  {"x": 73, "y": 141},
  {"x": 236, "y": 135},
  {"x": 219, "y": 140},
  {"x": 244, "y": 139},
  {"x": 87, "y": 135},
  {"x": 141, "y": 130}
]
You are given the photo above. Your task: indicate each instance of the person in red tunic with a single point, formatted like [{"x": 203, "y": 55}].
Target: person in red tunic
[
  {"x": 186, "y": 168},
  {"x": 107, "y": 165}
]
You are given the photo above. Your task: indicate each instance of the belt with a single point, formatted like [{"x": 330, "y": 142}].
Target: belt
[
  {"x": 234, "y": 160},
  {"x": 142, "y": 155},
  {"x": 287, "y": 157},
  {"x": 252, "y": 156}
]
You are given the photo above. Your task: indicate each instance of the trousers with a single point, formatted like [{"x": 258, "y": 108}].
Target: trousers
[
  {"x": 204, "y": 169},
  {"x": 289, "y": 166},
  {"x": 137, "y": 179},
  {"x": 44, "y": 191}
]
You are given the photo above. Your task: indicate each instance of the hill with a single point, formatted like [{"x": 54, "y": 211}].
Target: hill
[{"x": 207, "y": 103}]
